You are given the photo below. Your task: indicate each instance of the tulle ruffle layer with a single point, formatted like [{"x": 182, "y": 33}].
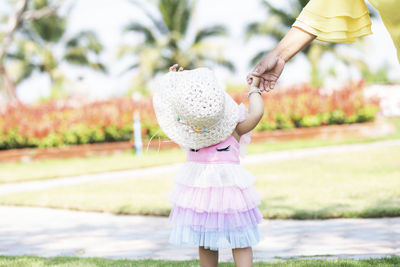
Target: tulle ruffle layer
[
  {"x": 215, "y": 206},
  {"x": 214, "y": 221},
  {"x": 214, "y": 199},
  {"x": 345, "y": 36},
  {"x": 335, "y": 20},
  {"x": 215, "y": 240},
  {"x": 196, "y": 174}
]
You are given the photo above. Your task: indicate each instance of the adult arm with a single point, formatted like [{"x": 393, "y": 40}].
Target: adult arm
[
  {"x": 271, "y": 65},
  {"x": 340, "y": 21}
]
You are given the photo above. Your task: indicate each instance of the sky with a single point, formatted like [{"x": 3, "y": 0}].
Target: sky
[{"x": 108, "y": 17}]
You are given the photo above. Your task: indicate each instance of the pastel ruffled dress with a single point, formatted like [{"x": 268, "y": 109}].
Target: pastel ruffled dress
[
  {"x": 214, "y": 200},
  {"x": 343, "y": 21}
]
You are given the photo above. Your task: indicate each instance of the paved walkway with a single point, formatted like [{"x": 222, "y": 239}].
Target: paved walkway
[
  {"x": 48, "y": 232},
  {"x": 153, "y": 171},
  {"x": 51, "y": 232}
]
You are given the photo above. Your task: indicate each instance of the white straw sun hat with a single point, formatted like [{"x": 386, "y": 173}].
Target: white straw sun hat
[{"x": 192, "y": 109}]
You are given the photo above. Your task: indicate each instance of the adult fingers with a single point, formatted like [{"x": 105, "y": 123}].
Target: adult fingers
[
  {"x": 261, "y": 86},
  {"x": 266, "y": 85},
  {"x": 272, "y": 85},
  {"x": 249, "y": 79}
]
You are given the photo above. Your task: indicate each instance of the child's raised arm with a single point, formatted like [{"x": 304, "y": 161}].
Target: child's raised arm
[
  {"x": 173, "y": 68},
  {"x": 256, "y": 110}
]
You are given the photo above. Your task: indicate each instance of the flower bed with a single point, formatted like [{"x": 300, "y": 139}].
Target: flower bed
[
  {"x": 374, "y": 129},
  {"x": 59, "y": 123},
  {"x": 305, "y": 106}
]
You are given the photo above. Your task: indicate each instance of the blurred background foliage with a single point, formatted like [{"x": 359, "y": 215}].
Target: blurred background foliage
[
  {"x": 165, "y": 41},
  {"x": 54, "y": 124},
  {"x": 34, "y": 39}
]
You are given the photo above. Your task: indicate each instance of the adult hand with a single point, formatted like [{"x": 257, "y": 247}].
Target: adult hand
[{"x": 268, "y": 70}]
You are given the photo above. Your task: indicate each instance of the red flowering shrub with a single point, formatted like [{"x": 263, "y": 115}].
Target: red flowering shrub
[
  {"x": 304, "y": 106},
  {"x": 58, "y": 123}
]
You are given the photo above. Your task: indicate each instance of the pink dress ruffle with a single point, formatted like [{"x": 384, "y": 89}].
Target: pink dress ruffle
[{"x": 215, "y": 199}]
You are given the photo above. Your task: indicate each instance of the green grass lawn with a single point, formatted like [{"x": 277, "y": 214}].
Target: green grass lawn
[
  {"x": 52, "y": 168},
  {"x": 31, "y": 261},
  {"x": 346, "y": 185}
]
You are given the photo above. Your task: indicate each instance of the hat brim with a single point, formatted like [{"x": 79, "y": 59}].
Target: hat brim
[{"x": 186, "y": 137}]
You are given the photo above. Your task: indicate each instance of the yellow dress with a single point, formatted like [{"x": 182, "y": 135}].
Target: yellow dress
[{"x": 343, "y": 21}]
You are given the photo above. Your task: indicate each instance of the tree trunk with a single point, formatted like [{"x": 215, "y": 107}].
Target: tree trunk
[
  {"x": 9, "y": 86},
  {"x": 13, "y": 24}
]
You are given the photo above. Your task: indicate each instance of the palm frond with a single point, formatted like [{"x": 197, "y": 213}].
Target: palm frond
[
  {"x": 302, "y": 3},
  {"x": 28, "y": 34},
  {"x": 167, "y": 9},
  {"x": 76, "y": 56},
  {"x": 186, "y": 14},
  {"x": 87, "y": 39},
  {"x": 50, "y": 28},
  {"x": 252, "y": 29},
  {"x": 98, "y": 66},
  {"x": 80, "y": 56},
  {"x": 169, "y": 47},
  {"x": 176, "y": 14},
  {"x": 271, "y": 28},
  {"x": 157, "y": 22},
  {"x": 27, "y": 72},
  {"x": 139, "y": 28},
  {"x": 124, "y": 50},
  {"x": 276, "y": 34},
  {"x": 15, "y": 56},
  {"x": 217, "y": 30},
  {"x": 131, "y": 67},
  {"x": 219, "y": 61},
  {"x": 254, "y": 60},
  {"x": 287, "y": 19},
  {"x": 227, "y": 64}
]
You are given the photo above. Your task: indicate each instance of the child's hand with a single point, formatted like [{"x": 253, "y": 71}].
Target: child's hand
[
  {"x": 173, "y": 68},
  {"x": 254, "y": 82}
]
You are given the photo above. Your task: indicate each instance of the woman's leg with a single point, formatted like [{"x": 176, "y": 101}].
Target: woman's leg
[
  {"x": 208, "y": 258},
  {"x": 243, "y": 257}
]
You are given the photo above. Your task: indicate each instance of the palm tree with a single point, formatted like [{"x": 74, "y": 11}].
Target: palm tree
[
  {"x": 166, "y": 42},
  {"x": 37, "y": 45},
  {"x": 278, "y": 23}
]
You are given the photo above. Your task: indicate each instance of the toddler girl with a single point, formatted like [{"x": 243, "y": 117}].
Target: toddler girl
[{"x": 214, "y": 201}]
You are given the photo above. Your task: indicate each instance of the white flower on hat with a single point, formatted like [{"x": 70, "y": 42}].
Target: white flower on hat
[{"x": 192, "y": 109}]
